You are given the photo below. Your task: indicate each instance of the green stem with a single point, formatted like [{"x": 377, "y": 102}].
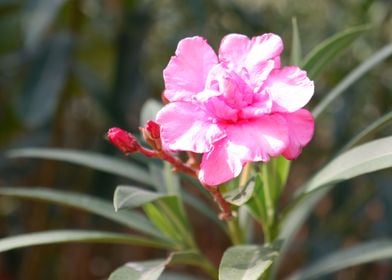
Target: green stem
[
  {"x": 208, "y": 267},
  {"x": 235, "y": 232}
]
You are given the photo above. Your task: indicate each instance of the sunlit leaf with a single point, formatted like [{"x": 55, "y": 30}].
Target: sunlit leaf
[
  {"x": 93, "y": 160},
  {"x": 91, "y": 204},
  {"x": 369, "y": 157},
  {"x": 167, "y": 214},
  {"x": 150, "y": 270},
  {"x": 147, "y": 270},
  {"x": 240, "y": 194},
  {"x": 359, "y": 254},
  {"x": 328, "y": 50},
  {"x": 65, "y": 236},
  {"x": 132, "y": 197},
  {"x": 352, "y": 77},
  {"x": 246, "y": 262}
]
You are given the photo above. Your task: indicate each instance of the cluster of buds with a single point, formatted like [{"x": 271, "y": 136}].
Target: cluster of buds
[{"x": 128, "y": 144}]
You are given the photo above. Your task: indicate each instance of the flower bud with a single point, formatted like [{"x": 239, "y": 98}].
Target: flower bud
[
  {"x": 123, "y": 140},
  {"x": 153, "y": 129}
]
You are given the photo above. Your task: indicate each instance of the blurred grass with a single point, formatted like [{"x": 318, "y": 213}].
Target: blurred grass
[{"x": 71, "y": 69}]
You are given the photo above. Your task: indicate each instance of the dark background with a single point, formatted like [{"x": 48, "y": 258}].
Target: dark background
[{"x": 69, "y": 70}]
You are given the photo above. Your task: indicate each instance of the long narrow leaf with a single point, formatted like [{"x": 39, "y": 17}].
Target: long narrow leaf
[
  {"x": 351, "y": 78},
  {"x": 147, "y": 270},
  {"x": 369, "y": 157},
  {"x": 246, "y": 262},
  {"x": 296, "y": 51},
  {"x": 329, "y": 49},
  {"x": 132, "y": 197},
  {"x": 94, "y": 205},
  {"x": 89, "y": 159},
  {"x": 373, "y": 127},
  {"x": 363, "y": 253},
  {"x": 150, "y": 270},
  {"x": 65, "y": 236}
]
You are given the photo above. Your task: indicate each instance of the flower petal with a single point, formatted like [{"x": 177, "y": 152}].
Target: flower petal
[
  {"x": 187, "y": 71},
  {"x": 238, "y": 51},
  {"x": 186, "y": 127},
  {"x": 301, "y": 128},
  {"x": 222, "y": 163},
  {"x": 289, "y": 88},
  {"x": 262, "y": 137}
]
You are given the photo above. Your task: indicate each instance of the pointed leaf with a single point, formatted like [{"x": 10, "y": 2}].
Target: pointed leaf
[
  {"x": 352, "y": 77},
  {"x": 89, "y": 159},
  {"x": 369, "y": 157},
  {"x": 247, "y": 262},
  {"x": 132, "y": 197},
  {"x": 84, "y": 236},
  {"x": 91, "y": 204},
  {"x": 373, "y": 127},
  {"x": 359, "y": 254},
  {"x": 366, "y": 158},
  {"x": 39, "y": 15},
  {"x": 147, "y": 270},
  {"x": 296, "y": 52},
  {"x": 329, "y": 49},
  {"x": 240, "y": 194}
]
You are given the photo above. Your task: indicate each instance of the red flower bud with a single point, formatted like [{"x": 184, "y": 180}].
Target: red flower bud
[
  {"x": 153, "y": 129},
  {"x": 123, "y": 140}
]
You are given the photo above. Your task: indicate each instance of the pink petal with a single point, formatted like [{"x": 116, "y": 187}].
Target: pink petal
[
  {"x": 262, "y": 137},
  {"x": 187, "y": 71},
  {"x": 185, "y": 127},
  {"x": 289, "y": 88},
  {"x": 301, "y": 128},
  {"x": 238, "y": 51},
  {"x": 222, "y": 163}
]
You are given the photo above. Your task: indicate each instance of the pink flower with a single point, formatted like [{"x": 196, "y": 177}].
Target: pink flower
[{"x": 240, "y": 106}]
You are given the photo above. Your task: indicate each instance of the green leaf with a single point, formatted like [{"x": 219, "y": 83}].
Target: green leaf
[
  {"x": 168, "y": 215},
  {"x": 65, "y": 236},
  {"x": 256, "y": 204},
  {"x": 296, "y": 52},
  {"x": 147, "y": 270},
  {"x": 373, "y": 127},
  {"x": 240, "y": 194},
  {"x": 247, "y": 262},
  {"x": 359, "y": 254},
  {"x": 351, "y": 78},
  {"x": 89, "y": 159},
  {"x": 132, "y": 197},
  {"x": 46, "y": 80},
  {"x": 94, "y": 205},
  {"x": 39, "y": 15},
  {"x": 369, "y": 157},
  {"x": 366, "y": 158},
  {"x": 329, "y": 49},
  {"x": 203, "y": 208}
]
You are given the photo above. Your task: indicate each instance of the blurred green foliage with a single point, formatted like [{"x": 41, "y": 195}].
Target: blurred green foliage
[{"x": 70, "y": 69}]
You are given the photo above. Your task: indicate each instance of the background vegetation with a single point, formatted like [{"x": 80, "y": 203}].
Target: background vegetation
[{"x": 69, "y": 70}]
